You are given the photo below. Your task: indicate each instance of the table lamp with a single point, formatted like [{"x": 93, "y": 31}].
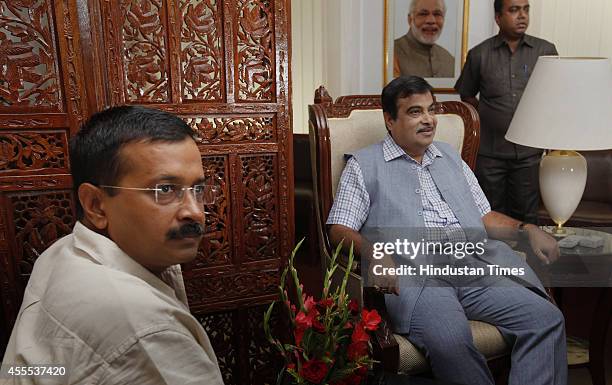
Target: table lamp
[{"x": 566, "y": 107}]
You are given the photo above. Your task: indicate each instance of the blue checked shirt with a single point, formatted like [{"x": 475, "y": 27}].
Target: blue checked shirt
[{"x": 352, "y": 202}]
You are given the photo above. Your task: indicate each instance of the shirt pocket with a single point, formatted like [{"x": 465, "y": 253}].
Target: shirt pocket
[{"x": 495, "y": 83}]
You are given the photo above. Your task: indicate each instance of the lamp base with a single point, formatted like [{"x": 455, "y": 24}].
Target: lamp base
[
  {"x": 558, "y": 231},
  {"x": 562, "y": 179}
]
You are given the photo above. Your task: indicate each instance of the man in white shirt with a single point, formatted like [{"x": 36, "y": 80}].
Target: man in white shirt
[{"x": 107, "y": 303}]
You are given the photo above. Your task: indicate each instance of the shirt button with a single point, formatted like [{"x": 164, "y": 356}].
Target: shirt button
[
  {"x": 414, "y": 167},
  {"x": 514, "y": 95},
  {"x": 513, "y": 76},
  {"x": 418, "y": 191},
  {"x": 420, "y": 213}
]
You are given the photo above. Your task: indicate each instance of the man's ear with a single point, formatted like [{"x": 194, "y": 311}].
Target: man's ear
[
  {"x": 409, "y": 20},
  {"x": 91, "y": 198},
  {"x": 497, "y": 16},
  {"x": 388, "y": 120}
]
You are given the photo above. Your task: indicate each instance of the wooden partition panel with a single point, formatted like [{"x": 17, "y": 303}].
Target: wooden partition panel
[
  {"x": 41, "y": 102},
  {"x": 223, "y": 66}
]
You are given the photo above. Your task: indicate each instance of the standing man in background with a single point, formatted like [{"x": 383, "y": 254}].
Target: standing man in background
[{"x": 498, "y": 69}]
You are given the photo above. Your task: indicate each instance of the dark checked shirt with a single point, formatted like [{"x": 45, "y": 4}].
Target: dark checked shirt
[{"x": 500, "y": 77}]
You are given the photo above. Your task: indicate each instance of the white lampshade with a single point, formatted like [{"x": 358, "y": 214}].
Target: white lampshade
[{"x": 567, "y": 105}]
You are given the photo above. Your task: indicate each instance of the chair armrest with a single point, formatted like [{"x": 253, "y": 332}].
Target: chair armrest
[{"x": 384, "y": 344}]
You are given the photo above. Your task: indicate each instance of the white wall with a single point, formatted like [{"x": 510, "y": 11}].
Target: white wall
[
  {"x": 339, "y": 44},
  {"x": 578, "y": 28},
  {"x": 308, "y": 51}
]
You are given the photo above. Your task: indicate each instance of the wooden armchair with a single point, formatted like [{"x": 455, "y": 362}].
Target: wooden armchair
[{"x": 354, "y": 122}]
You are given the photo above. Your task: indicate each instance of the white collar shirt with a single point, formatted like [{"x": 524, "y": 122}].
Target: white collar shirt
[{"x": 91, "y": 309}]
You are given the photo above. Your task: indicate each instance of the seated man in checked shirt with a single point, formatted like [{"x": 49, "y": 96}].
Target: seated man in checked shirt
[{"x": 408, "y": 181}]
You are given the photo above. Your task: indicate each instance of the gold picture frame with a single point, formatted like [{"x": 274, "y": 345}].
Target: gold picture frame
[{"x": 458, "y": 12}]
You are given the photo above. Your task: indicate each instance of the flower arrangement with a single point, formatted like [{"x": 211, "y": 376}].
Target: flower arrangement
[{"x": 330, "y": 336}]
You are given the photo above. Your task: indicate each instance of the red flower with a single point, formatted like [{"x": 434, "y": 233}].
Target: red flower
[
  {"x": 353, "y": 307},
  {"x": 303, "y": 321},
  {"x": 356, "y": 350},
  {"x": 291, "y": 366},
  {"x": 325, "y": 303},
  {"x": 309, "y": 304},
  {"x": 299, "y": 334},
  {"x": 359, "y": 334},
  {"x": 370, "y": 319},
  {"x": 318, "y": 326},
  {"x": 314, "y": 371}
]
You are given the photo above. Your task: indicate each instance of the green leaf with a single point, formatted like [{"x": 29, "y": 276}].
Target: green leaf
[
  {"x": 266, "y": 324},
  {"x": 343, "y": 297}
]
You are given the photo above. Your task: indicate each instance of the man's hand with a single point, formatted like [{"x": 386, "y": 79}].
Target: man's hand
[
  {"x": 543, "y": 245},
  {"x": 385, "y": 283}
]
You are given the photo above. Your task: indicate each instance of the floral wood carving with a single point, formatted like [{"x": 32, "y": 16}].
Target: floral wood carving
[
  {"x": 28, "y": 73},
  {"x": 40, "y": 219},
  {"x": 201, "y": 50},
  {"x": 218, "y": 130},
  {"x": 215, "y": 248},
  {"x": 255, "y": 50},
  {"x": 19, "y": 123},
  {"x": 264, "y": 361},
  {"x": 30, "y": 151},
  {"x": 220, "y": 330},
  {"x": 222, "y": 287},
  {"x": 8, "y": 295},
  {"x": 144, "y": 51},
  {"x": 73, "y": 88},
  {"x": 35, "y": 182},
  {"x": 259, "y": 207}
]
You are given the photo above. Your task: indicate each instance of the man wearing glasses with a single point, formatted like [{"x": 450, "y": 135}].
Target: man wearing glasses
[{"x": 108, "y": 302}]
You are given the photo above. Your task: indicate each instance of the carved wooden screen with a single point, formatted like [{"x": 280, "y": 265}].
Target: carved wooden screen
[
  {"x": 41, "y": 102},
  {"x": 220, "y": 65}
]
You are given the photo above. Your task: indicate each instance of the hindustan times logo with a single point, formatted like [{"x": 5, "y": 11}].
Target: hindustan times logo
[{"x": 411, "y": 249}]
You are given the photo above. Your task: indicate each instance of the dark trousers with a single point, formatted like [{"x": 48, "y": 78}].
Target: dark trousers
[{"x": 511, "y": 186}]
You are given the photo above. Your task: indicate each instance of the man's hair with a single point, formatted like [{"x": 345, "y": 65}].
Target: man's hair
[
  {"x": 498, "y": 5},
  {"x": 402, "y": 87},
  {"x": 413, "y": 4},
  {"x": 95, "y": 149}
]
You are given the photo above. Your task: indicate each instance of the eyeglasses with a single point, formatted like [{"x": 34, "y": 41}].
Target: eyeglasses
[
  {"x": 168, "y": 193},
  {"x": 433, "y": 110}
]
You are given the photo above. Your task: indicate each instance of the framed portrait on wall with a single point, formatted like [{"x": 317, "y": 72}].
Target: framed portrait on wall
[{"x": 429, "y": 40}]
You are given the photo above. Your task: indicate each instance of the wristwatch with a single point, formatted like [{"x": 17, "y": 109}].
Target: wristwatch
[{"x": 522, "y": 232}]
